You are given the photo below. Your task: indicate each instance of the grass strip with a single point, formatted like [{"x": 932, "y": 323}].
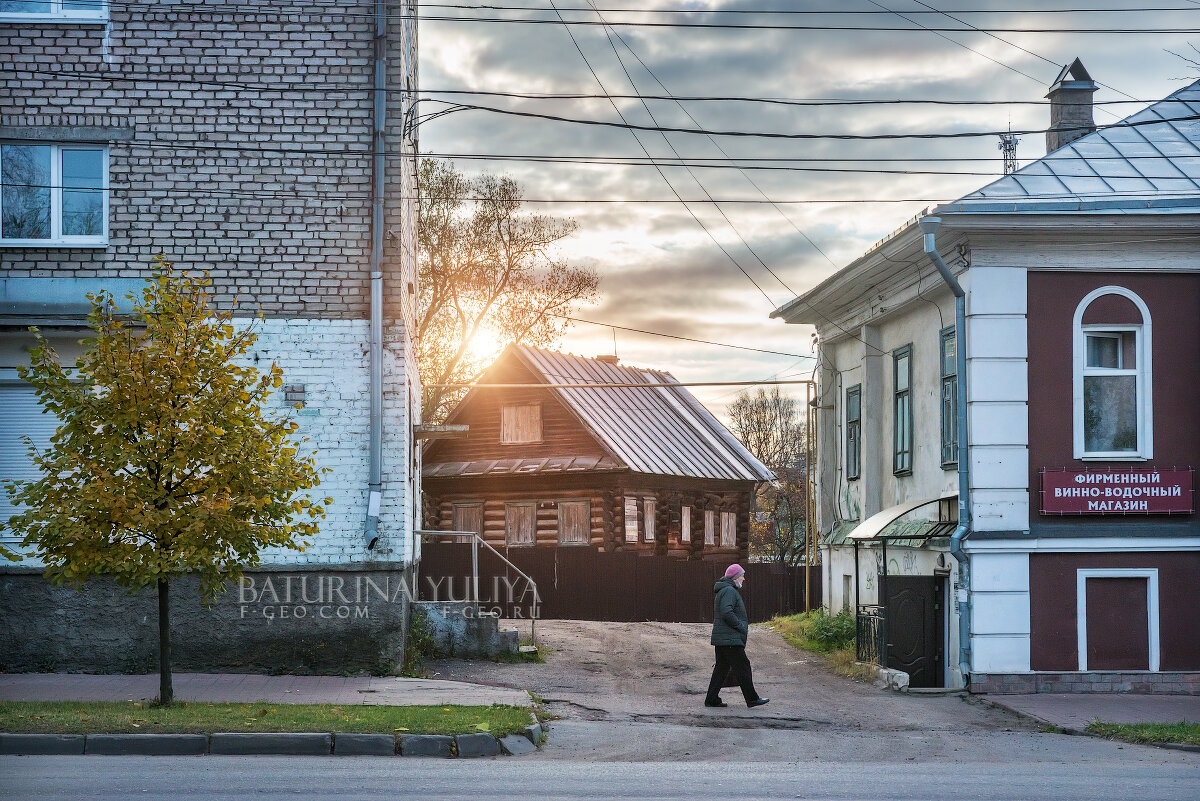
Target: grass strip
[
  {"x": 131, "y": 717},
  {"x": 1183, "y": 732},
  {"x": 803, "y": 631}
]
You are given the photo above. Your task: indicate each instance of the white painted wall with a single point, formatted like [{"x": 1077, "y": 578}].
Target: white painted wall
[{"x": 330, "y": 357}]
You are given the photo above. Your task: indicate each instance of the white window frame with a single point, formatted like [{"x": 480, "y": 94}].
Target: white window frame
[
  {"x": 1148, "y": 573},
  {"x": 1143, "y": 373},
  {"x": 56, "y": 191},
  {"x": 58, "y": 13}
]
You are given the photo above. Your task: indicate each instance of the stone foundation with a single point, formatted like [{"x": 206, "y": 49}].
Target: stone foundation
[
  {"x": 459, "y": 629},
  {"x": 328, "y": 619},
  {"x": 1093, "y": 681}
]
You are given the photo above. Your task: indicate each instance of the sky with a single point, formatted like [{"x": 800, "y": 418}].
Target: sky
[{"x": 662, "y": 271}]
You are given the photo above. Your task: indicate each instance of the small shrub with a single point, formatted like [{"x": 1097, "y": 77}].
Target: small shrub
[{"x": 833, "y": 631}]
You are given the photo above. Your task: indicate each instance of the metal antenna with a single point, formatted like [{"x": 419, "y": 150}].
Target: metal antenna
[{"x": 1008, "y": 146}]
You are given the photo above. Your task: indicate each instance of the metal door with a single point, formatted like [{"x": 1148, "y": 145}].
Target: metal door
[{"x": 915, "y": 624}]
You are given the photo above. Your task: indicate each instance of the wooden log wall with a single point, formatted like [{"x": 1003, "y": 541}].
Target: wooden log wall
[{"x": 607, "y": 508}]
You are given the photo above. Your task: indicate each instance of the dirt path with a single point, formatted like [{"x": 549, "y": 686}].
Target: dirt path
[{"x": 636, "y": 690}]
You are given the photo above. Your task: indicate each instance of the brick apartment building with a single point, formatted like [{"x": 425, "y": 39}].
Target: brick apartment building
[{"x": 244, "y": 140}]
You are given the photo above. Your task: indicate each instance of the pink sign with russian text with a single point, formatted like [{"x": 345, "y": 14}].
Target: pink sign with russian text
[{"x": 1117, "y": 491}]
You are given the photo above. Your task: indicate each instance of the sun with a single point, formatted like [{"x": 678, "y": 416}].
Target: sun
[{"x": 485, "y": 345}]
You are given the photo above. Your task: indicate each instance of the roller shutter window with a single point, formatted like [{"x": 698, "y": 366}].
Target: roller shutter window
[{"x": 21, "y": 417}]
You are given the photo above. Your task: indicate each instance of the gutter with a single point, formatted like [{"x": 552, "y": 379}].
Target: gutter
[
  {"x": 929, "y": 226},
  {"x": 378, "y": 174}
]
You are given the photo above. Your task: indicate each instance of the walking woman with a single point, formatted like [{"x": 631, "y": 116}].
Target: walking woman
[{"x": 731, "y": 624}]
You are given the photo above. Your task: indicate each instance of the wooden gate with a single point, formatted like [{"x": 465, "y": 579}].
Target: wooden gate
[{"x": 584, "y": 583}]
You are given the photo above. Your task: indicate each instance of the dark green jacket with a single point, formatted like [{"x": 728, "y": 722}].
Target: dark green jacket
[{"x": 731, "y": 624}]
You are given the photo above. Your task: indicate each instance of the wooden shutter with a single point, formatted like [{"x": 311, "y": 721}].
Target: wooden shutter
[
  {"x": 468, "y": 517},
  {"x": 574, "y": 522},
  {"x": 520, "y": 423},
  {"x": 685, "y": 524},
  {"x": 20, "y": 416},
  {"x": 728, "y": 530},
  {"x": 519, "y": 522},
  {"x": 710, "y": 527},
  {"x": 648, "y": 510},
  {"x": 631, "y": 519}
]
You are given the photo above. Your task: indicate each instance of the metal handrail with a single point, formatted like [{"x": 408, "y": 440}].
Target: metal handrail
[{"x": 476, "y": 539}]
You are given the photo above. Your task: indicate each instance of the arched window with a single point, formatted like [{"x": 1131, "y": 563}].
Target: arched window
[{"x": 1112, "y": 397}]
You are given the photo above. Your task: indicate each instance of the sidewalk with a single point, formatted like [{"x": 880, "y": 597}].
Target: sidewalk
[
  {"x": 1074, "y": 711},
  {"x": 252, "y": 688}
]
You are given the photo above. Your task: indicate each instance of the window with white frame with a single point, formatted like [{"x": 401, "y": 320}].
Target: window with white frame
[
  {"x": 53, "y": 10},
  {"x": 53, "y": 194},
  {"x": 1112, "y": 382}
]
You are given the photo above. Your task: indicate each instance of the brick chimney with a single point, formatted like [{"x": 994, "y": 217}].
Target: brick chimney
[{"x": 1070, "y": 106}]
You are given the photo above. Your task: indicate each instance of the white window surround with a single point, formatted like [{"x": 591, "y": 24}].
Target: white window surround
[
  {"x": 1143, "y": 371},
  {"x": 1148, "y": 573},
  {"x": 59, "y": 11},
  {"x": 56, "y": 238}
]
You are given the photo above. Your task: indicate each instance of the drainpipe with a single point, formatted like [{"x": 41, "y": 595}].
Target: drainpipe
[
  {"x": 929, "y": 226},
  {"x": 379, "y": 163}
]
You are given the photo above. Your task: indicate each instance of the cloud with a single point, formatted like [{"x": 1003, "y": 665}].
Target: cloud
[{"x": 660, "y": 269}]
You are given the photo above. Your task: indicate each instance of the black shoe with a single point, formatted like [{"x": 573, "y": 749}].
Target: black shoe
[
  {"x": 717, "y": 702},
  {"x": 758, "y": 702}
]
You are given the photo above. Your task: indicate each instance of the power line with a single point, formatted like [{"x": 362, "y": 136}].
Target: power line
[
  {"x": 794, "y": 136},
  {"x": 286, "y": 195},
  {"x": 609, "y": 32},
  {"x": 666, "y": 180},
  {"x": 721, "y": 150},
  {"x": 223, "y": 84}
]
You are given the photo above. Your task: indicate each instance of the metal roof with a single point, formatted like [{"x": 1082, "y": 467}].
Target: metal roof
[
  {"x": 1148, "y": 162},
  {"x": 655, "y": 430},
  {"x": 521, "y": 467}
]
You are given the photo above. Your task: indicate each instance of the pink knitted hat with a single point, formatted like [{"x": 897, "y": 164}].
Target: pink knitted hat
[{"x": 733, "y": 571}]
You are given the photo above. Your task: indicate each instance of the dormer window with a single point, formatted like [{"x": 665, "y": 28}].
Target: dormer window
[
  {"x": 1113, "y": 411},
  {"x": 520, "y": 423}
]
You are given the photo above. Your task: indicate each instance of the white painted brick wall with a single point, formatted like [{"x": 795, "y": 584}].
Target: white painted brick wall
[{"x": 331, "y": 359}]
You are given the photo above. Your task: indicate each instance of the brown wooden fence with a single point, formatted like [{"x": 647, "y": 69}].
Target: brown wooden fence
[{"x": 583, "y": 583}]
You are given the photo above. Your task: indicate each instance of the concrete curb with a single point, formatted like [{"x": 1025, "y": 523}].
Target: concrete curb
[
  {"x": 290, "y": 743},
  {"x": 39, "y": 744},
  {"x": 465, "y": 746},
  {"x": 147, "y": 744},
  {"x": 471, "y": 746},
  {"x": 364, "y": 745},
  {"x": 1074, "y": 732}
]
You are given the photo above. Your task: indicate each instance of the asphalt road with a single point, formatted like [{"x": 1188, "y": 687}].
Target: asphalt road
[{"x": 1149, "y": 774}]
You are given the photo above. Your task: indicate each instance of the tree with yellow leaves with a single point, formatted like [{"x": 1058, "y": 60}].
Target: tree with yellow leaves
[{"x": 166, "y": 461}]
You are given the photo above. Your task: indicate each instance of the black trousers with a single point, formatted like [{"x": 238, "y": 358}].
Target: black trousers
[{"x": 732, "y": 658}]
